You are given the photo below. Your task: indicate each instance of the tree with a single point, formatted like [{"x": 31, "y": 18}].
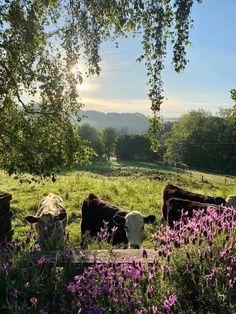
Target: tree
[
  {"x": 233, "y": 96},
  {"x": 94, "y": 138},
  {"x": 41, "y": 42},
  {"x": 200, "y": 140},
  {"x": 109, "y": 138},
  {"x": 135, "y": 147}
]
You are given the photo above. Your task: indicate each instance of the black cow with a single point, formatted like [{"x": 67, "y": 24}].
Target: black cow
[
  {"x": 129, "y": 225},
  {"x": 175, "y": 207},
  {"x": 172, "y": 191}
]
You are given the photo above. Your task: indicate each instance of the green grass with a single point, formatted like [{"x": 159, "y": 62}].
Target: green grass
[{"x": 133, "y": 186}]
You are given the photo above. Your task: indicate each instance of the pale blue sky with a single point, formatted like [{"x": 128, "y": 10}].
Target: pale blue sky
[{"x": 205, "y": 83}]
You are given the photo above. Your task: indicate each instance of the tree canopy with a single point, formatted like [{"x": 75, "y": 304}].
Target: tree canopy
[
  {"x": 202, "y": 141},
  {"x": 41, "y": 41}
]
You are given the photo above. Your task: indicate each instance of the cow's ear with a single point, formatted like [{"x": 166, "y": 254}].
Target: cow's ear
[
  {"x": 149, "y": 219},
  {"x": 61, "y": 216},
  {"x": 92, "y": 197},
  {"x": 32, "y": 219},
  {"x": 119, "y": 220}
]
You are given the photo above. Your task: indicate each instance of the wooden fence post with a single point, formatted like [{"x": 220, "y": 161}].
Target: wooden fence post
[{"x": 6, "y": 230}]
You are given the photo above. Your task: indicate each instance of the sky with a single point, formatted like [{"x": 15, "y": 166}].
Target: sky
[{"x": 205, "y": 83}]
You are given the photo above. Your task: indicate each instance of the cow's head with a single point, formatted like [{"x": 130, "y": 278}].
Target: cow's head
[
  {"x": 231, "y": 201},
  {"x": 48, "y": 225},
  {"x": 134, "y": 226}
]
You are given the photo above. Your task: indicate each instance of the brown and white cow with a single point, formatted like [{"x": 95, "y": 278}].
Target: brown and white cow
[
  {"x": 130, "y": 225},
  {"x": 172, "y": 191},
  {"x": 50, "y": 219}
]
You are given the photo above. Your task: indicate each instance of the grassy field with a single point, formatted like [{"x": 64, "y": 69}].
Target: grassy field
[{"x": 134, "y": 186}]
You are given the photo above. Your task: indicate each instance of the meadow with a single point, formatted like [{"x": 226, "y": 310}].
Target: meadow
[
  {"x": 134, "y": 186},
  {"x": 195, "y": 270}
]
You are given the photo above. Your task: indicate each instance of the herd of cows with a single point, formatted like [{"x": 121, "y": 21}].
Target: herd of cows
[{"x": 124, "y": 228}]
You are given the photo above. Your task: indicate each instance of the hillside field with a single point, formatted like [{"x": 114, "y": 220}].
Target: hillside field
[{"x": 134, "y": 186}]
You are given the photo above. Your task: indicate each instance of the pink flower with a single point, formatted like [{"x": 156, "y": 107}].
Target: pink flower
[{"x": 33, "y": 301}]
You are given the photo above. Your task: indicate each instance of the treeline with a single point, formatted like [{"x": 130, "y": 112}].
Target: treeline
[
  {"x": 132, "y": 123},
  {"x": 197, "y": 140}
]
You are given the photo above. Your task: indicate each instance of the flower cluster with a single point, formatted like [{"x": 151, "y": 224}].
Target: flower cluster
[
  {"x": 122, "y": 288},
  {"x": 194, "y": 269}
]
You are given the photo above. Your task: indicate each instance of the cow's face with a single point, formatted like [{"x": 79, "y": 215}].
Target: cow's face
[
  {"x": 48, "y": 225},
  {"x": 134, "y": 226},
  {"x": 231, "y": 201}
]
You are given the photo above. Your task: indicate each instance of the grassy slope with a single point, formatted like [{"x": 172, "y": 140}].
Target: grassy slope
[{"x": 130, "y": 185}]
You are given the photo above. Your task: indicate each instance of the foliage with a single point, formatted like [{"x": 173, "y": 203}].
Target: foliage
[
  {"x": 134, "y": 147},
  {"x": 203, "y": 141},
  {"x": 94, "y": 138},
  {"x": 41, "y": 44},
  {"x": 233, "y": 96},
  {"x": 109, "y": 138},
  {"x": 202, "y": 264},
  {"x": 47, "y": 145}
]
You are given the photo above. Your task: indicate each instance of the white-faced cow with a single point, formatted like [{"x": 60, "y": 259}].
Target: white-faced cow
[
  {"x": 50, "y": 220},
  {"x": 231, "y": 201},
  {"x": 172, "y": 191},
  {"x": 129, "y": 225}
]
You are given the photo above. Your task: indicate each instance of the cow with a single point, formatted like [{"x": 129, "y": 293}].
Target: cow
[
  {"x": 50, "y": 220},
  {"x": 172, "y": 191},
  {"x": 130, "y": 225},
  {"x": 231, "y": 201},
  {"x": 176, "y": 206}
]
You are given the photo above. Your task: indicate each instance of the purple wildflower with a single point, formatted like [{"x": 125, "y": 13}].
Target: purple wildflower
[
  {"x": 5, "y": 267},
  {"x": 169, "y": 303},
  {"x": 41, "y": 261},
  {"x": 15, "y": 293},
  {"x": 212, "y": 275},
  {"x": 71, "y": 288}
]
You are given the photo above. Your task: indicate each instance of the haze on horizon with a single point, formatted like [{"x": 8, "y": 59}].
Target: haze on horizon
[{"x": 204, "y": 84}]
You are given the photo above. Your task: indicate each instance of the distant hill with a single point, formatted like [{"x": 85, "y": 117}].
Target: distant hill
[
  {"x": 126, "y": 123},
  {"x": 132, "y": 123}
]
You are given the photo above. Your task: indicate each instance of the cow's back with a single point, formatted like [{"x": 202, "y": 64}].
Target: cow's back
[
  {"x": 175, "y": 207},
  {"x": 172, "y": 191}
]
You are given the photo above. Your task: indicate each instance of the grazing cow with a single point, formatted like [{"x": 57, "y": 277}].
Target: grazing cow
[
  {"x": 172, "y": 191},
  {"x": 50, "y": 219},
  {"x": 231, "y": 201},
  {"x": 129, "y": 225},
  {"x": 175, "y": 206}
]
